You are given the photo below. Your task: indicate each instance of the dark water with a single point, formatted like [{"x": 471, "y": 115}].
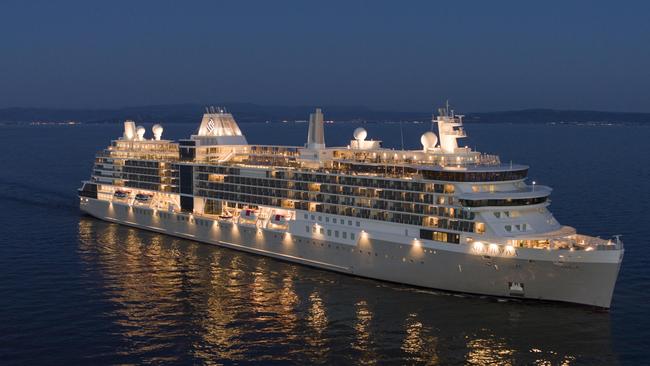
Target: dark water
[{"x": 77, "y": 290}]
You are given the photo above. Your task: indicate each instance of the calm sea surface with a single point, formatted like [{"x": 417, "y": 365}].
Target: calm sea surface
[{"x": 76, "y": 290}]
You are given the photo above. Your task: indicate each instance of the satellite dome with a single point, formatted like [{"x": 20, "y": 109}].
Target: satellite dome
[
  {"x": 428, "y": 140},
  {"x": 157, "y": 131},
  {"x": 140, "y": 132},
  {"x": 360, "y": 134}
]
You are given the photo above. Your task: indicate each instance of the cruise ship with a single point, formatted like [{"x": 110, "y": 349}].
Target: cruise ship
[{"x": 443, "y": 217}]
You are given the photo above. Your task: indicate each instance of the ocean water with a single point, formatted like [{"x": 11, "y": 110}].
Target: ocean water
[{"x": 76, "y": 290}]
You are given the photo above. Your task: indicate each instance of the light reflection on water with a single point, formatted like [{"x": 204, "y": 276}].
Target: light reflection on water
[{"x": 181, "y": 301}]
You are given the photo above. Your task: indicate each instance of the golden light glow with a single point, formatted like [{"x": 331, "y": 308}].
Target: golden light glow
[
  {"x": 493, "y": 249},
  {"x": 489, "y": 351},
  {"x": 478, "y": 247},
  {"x": 287, "y": 239}
]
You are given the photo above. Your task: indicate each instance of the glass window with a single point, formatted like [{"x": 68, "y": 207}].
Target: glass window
[
  {"x": 352, "y": 236},
  {"x": 345, "y": 235},
  {"x": 336, "y": 233}
]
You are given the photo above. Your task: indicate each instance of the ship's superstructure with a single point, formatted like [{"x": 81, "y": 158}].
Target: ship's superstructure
[{"x": 444, "y": 216}]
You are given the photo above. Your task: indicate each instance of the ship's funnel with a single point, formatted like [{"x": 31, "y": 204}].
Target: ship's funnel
[
  {"x": 129, "y": 130},
  {"x": 316, "y": 134}
]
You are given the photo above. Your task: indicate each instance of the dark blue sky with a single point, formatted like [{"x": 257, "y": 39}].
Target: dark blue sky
[{"x": 400, "y": 55}]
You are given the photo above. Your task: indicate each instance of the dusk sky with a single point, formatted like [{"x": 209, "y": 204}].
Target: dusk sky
[{"x": 399, "y": 55}]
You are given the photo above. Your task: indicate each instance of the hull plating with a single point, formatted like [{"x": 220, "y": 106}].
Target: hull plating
[{"x": 589, "y": 283}]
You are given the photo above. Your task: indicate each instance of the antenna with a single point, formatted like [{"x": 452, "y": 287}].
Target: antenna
[{"x": 401, "y": 133}]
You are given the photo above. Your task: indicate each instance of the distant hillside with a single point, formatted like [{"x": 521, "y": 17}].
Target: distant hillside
[
  {"x": 247, "y": 112},
  {"x": 244, "y": 112},
  {"x": 551, "y": 115}
]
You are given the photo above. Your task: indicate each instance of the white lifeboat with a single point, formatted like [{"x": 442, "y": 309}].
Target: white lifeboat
[
  {"x": 247, "y": 216},
  {"x": 279, "y": 219},
  {"x": 278, "y": 222},
  {"x": 143, "y": 198},
  {"x": 121, "y": 194}
]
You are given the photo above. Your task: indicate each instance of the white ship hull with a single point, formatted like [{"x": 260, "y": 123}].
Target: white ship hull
[{"x": 559, "y": 275}]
